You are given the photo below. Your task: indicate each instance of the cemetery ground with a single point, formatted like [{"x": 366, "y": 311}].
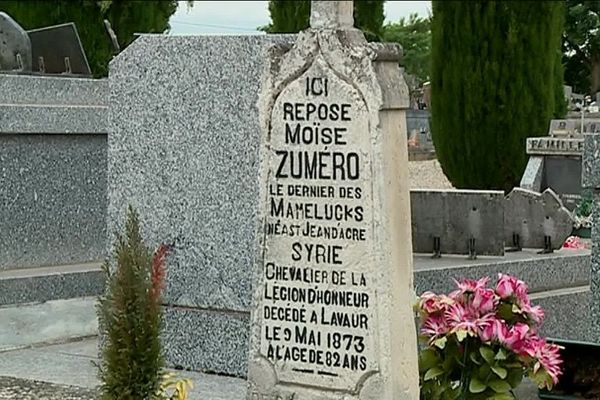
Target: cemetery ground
[{"x": 66, "y": 372}]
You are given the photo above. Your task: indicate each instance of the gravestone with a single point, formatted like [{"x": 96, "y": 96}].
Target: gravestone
[
  {"x": 536, "y": 218},
  {"x": 58, "y": 50},
  {"x": 591, "y": 125},
  {"x": 15, "y": 46},
  {"x": 562, "y": 127},
  {"x": 457, "y": 221},
  {"x": 555, "y": 160},
  {"x": 332, "y": 314}
]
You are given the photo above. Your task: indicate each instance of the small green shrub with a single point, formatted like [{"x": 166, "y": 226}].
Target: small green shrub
[
  {"x": 130, "y": 316},
  {"x": 586, "y": 204}
]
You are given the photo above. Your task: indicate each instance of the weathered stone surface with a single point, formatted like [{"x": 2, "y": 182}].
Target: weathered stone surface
[
  {"x": 43, "y": 119},
  {"x": 591, "y": 180},
  {"x": 591, "y": 162},
  {"x": 534, "y": 172},
  {"x": 196, "y": 340},
  {"x": 563, "y": 176},
  {"x": 555, "y": 146},
  {"x": 14, "y": 43},
  {"x": 183, "y": 150},
  {"x": 455, "y": 216},
  {"x": 595, "y": 269},
  {"x": 335, "y": 15},
  {"x": 562, "y": 127},
  {"x": 52, "y": 199},
  {"x": 38, "y": 285},
  {"x": 53, "y": 91},
  {"x": 591, "y": 125},
  {"x": 533, "y": 216},
  {"x": 333, "y": 221}
]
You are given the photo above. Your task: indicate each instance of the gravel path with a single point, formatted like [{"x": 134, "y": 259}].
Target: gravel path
[
  {"x": 427, "y": 175},
  {"x": 21, "y": 389}
]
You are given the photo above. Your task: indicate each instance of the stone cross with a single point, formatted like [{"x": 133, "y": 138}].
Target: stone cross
[
  {"x": 333, "y": 281},
  {"x": 331, "y": 14}
]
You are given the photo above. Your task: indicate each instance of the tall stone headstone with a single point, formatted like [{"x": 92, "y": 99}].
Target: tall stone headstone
[{"x": 332, "y": 316}]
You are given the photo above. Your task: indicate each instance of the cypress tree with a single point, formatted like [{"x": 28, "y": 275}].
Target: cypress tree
[
  {"x": 292, "y": 16},
  {"x": 495, "y": 82},
  {"x": 130, "y": 316}
]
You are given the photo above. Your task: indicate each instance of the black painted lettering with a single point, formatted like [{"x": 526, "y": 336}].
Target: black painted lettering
[
  {"x": 296, "y": 251},
  {"x": 282, "y": 163}
]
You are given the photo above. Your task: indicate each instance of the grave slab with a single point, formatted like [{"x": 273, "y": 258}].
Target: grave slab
[
  {"x": 455, "y": 216},
  {"x": 52, "y": 199},
  {"x": 333, "y": 258},
  {"x": 534, "y": 216},
  {"x": 533, "y": 175}
]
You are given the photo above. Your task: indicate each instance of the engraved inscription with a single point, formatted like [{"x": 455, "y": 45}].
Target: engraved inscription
[{"x": 318, "y": 302}]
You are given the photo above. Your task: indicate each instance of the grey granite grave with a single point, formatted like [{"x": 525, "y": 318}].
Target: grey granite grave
[
  {"x": 534, "y": 216},
  {"x": 533, "y": 175},
  {"x": 183, "y": 150},
  {"x": 591, "y": 180},
  {"x": 455, "y": 216},
  {"x": 58, "y": 50},
  {"x": 555, "y": 160},
  {"x": 15, "y": 46},
  {"x": 53, "y": 163}
]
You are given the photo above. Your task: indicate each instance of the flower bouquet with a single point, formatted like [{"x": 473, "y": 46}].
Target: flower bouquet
[{"x": 481, "y": 342}]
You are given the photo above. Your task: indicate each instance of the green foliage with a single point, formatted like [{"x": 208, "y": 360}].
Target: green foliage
[
  {"x": 369, "y": 17},
  {"x": 288, "y": 16},
  {"x": 130, "y": 316},
  {"x": 414, "y": 35},
  {"x": 126, "y": 17},
  {"x": 495, "y": 81},
  {"x": 586, "y": 204},
  {"x": 582, "y": 45},
  {"x": 469, "y": 369},
  {"x": 292, "y": 16}
]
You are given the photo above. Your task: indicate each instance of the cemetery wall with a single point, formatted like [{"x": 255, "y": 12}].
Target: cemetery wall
[{"x": 53, "y": 134}]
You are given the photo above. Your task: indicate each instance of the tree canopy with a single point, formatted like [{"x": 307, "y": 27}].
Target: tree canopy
[
  {"x": 126, "y": 17},
  {"x": 582, "y": 45},
  {"x": 414, "y": 35}
]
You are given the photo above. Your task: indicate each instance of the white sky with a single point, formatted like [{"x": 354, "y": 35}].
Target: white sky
[{"x": 243, "y": 17}]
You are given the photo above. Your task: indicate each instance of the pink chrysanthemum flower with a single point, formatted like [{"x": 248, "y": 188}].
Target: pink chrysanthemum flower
[
  {"x": 435, "y": 326},
  {"x": 549, "y": 358}
]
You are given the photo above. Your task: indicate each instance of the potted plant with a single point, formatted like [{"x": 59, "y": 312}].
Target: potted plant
[
  {"x": 481, "y": 342},
  {"x": 581, "y": 372}
]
